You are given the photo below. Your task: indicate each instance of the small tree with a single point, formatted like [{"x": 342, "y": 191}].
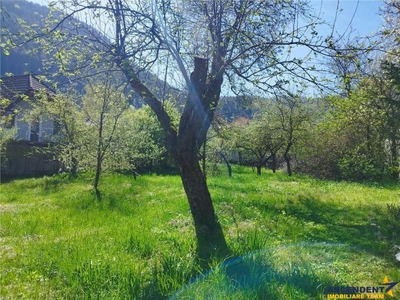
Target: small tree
[
  {"x": 102, "y": 108},
  {"x": 260, "y": 138},
  {"x": 293, "y": 115},
  {"x": 63, "y": 110},
  {"x": 221, "y": 143},
  {"x": 69, "y": 127}
]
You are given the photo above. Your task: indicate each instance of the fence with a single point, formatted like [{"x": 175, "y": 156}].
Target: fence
[{"x": 22, "y": 159}]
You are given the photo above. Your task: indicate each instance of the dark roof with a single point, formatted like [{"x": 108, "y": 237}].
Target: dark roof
[{"x": 12, "y": 87}]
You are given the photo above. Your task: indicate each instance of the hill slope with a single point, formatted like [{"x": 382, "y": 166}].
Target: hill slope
[{"x": 23, "y": 60}]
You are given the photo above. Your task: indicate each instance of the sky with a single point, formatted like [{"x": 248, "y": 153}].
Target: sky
[
  {"x": 363, "y": 14},
  {"x": 365, "y": 21},
  {"x": 360, "y": 17}
]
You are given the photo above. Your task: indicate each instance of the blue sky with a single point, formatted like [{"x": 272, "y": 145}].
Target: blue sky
[
  {"x": 366, "y": 18},
  {"x": 363, "y": 14},
  {"x": 365, "y": 21}
]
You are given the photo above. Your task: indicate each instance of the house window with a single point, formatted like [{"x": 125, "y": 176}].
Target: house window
[{"x": 34, "y": 137}]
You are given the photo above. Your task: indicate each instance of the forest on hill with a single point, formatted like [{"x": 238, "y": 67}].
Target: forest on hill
[
  {"x": 22, "y": 60},
  {"x": 33, "y": 58}
]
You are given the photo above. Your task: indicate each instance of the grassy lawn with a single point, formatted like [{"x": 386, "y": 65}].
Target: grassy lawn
[{"x": 292, "y": 237}]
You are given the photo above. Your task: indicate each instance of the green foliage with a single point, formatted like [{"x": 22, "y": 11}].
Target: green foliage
[
  {"x": 7, "y": 134},
  {"x": 356, "y": 140},
  {"x": 130, "y": 138},
  {"x": 139, "y": 140},
  {"x": 102, "y": 108},
  {"x": 257, "y": 138},
  {"x": 360, "y": 166},
  {"x": 275, "y": 129}
]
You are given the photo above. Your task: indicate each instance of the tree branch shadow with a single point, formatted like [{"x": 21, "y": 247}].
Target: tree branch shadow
[{"x": 261, "y": 275}]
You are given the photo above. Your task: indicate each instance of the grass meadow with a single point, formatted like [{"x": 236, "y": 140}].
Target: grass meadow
[{"x": 291, "y": 237}]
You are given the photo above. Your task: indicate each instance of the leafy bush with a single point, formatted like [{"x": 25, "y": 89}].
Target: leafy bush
[{"x": 359, "y": 167}]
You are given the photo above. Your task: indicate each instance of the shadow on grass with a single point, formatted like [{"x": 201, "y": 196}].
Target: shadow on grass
[
  {"x": 269, "y": 274},
  {"x": 371, "y": 228},
  {"x": 385, "y": 182}
]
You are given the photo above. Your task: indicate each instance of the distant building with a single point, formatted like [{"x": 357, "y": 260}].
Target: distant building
[
  {"x": 20, "y": 90},
  {"x": 31, "y": 153}
]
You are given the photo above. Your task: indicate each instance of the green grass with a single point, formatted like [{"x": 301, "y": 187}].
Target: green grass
[{"x": 292, "y": 238}]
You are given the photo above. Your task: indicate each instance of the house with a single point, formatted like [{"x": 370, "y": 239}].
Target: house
[
  {"x": 30, "y": 153},
  {"x": 20, "y": 90}
]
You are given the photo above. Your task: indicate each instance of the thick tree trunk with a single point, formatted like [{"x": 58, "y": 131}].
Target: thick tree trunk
[
  {"x": 74, "y": 166},
  {"x": 262, "y": 161},
  {"x": 183, "y": 145},
  {"x": 240, "y": 158},
  {"x": 289, "y": 168},
  {"x": 286, "y": 156},
  {"x": 210, "y": 238},
  {"x": 274, "y": 163}
]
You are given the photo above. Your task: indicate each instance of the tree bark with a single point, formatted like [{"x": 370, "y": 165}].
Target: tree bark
[
  {"x": 274, "y": 163},
  {"x": 228, "y": 165},
  {"x": 210, "y": 238},
  {"x": 96, "y": 180},
  {"x": 286, "y": 155},
  {"x": 183, "y": 145},
  {"x": 204, "y": 166},
  {"x": 193, "y": 127},
  {"x": 98, "y": 167},
  {"x": 99, "y": 150},
  {"x": 287, "y": 159},
  {"x": 74, "y": 166}
]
